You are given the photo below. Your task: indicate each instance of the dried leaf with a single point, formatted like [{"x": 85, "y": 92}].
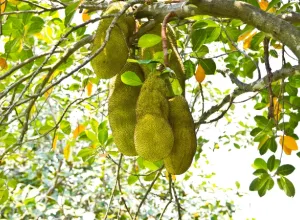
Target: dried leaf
[
  {"x": 80, "y": 128},
  {"x": 54, "y": 142},
  {"x": 3, "y": 63},
  {"x": 200, "y": 74},
  {"x": 85, "y": 16},
  {"x": 247, "y": 41},
  {"x": 263, "y": 4},
  {"x": 288, "y": 144},
  {"x": 67, "y": 152},
  {"x": 3, "y": 5},
  {"x": 89, "y": 88}
]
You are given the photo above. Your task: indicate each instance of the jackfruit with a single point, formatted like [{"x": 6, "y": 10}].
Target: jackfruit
[
  {"x": 152, "y": 99},
  {"x": 153, "y": 138},
  {"x": 185, "y": 141},
  {"x": 113, "y": 57},
  {"x": 121, "y": 110},
  {"x": 175, "y": 61}
]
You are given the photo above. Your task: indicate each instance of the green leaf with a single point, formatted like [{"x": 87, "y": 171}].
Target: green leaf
[
  {"x": 36, "y": 26},
  {"x": 198, "y": 37},
  {"x": 288, "y": 187},
  {"x": 208, "y": 65},
  {"x": 150, "y": 165},
  {"x": 285, "y": 170},
  {"x": 259, "y": 182},
  {"x": 102, "y": 135},
  {"x": 177, "y": 90},
  {"x": 130, "y": 78},
  {"x": 149, "y": 40},
  {"x": 189, "y": 68},
  {"x": 65, "y": 126},
  {"x": 253, "y": 2},
  {"x": 86, "y": 153},
  {"x": 132, "y": 179},
  {"x": 3, "y": 196},
  {"x": 70, "y": 11},
  {"x": 259, "y": 163},
  {"x": 259, "y": 172},
  {"x": 271, "y": 163},
  {"x": 272, "y": 3},
  {"x": 294, "y": 81},
  {"x": 91, "y": 135},
  {"x": 12, "y": 183},
  {"x": 298, "y": 154}
]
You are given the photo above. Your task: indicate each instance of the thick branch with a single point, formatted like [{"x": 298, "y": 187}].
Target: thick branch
[{"x": 279, "y": 29}]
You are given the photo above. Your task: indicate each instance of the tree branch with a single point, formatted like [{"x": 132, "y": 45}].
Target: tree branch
[{"x": 280, "y": 29}]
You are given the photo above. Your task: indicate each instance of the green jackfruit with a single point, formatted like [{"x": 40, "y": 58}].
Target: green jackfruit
[
  {"x": 112, "y": 59},
  {"x": 185, "y": 141},
  {"x": 121, "y": 110},
  {"x": 152, "y": 99},
  {"x": 153, "y": 138},
  {"x": 175, "y": 61}
]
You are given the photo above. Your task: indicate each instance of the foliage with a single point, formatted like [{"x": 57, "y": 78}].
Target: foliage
[{"x": 57, "y": 154}]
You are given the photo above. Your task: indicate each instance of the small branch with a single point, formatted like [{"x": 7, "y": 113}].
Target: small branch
[
  {"x": 148, "y": 191},
  {"x": 32, "y": 11},
  {"x": 177, "y": 202},
  {"x": 113, "y": 191},
  {"x": 270, "y": 75},
  {"x": 171, "y": 197},
  {"x": 165, "y": 38}
]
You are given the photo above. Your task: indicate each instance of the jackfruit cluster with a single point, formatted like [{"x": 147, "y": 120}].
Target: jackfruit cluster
[
  {"x": 113, "y": 57},
  {"x": 144, "y": 120}
]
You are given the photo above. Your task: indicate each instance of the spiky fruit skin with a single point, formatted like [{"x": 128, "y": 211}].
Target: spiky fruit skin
[
  {"x": 185, "y": 141},
  {"x": 174, "y": 59},
  {"x": 152, "y": 99},
  {"x": 113, "y": 57},
  {"x": 153, "y": 138},
  {"x": 121, "y": 110}
]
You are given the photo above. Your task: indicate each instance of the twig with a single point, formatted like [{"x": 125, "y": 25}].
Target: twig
[
  {"x": 270, "y": 76},
  {"x": 177, "y": 202},
  {"x": 165, "y": 38},
  {"x": 171, "y": 197},
  {"x": 148, "y": 191},
  {"x": 113, "y": 191}
]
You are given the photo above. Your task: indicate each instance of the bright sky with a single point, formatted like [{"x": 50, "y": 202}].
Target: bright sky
[{"x": 235, "y": 165}]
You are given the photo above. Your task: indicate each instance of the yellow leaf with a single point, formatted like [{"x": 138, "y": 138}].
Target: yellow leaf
[
  {"x": 277, "y": 108},
  {"x": 85, "y": 16},
  {"x": 288, "y": 144},
  {"x": 244, "y": 36},
  {"x": 200, "y": 74},
  {"x": 93, "y": 146},
  {"x": 89, "y": 88},
  {"x": 80, "y": 128},
  {"x": 277, "y": 46},
  {"x": 263, "y": 4},
  {"x": 3, "y": 63},
  {"x": 54, "y": 142},
  {"x": 173, "y": 177},
  {"x": 3, "y": 5},
  {"x": 67, "y": 152},
  {"x": 247, "y": 41},
  {"x": 287, "y": 151}
]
